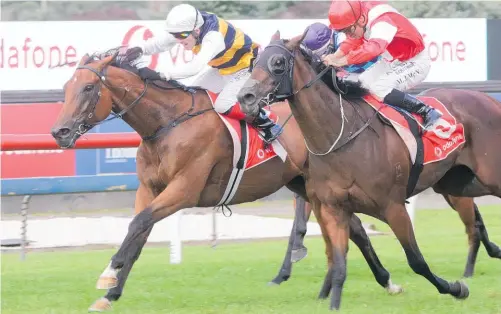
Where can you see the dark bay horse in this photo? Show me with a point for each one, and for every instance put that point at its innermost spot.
(464, 206)
(366, 168)
(185, 158)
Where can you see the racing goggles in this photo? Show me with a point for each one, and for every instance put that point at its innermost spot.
(350, 30)
(181, 35)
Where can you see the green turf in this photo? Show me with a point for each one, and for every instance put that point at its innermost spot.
(232, 278)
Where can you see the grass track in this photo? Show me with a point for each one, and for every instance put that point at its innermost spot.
(232, 278)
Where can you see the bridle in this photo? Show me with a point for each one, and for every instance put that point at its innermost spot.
(285, 81)
(285, 86)
(85, 126)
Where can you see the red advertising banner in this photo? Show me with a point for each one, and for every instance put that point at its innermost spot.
(33, 119)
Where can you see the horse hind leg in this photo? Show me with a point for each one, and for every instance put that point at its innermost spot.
(464, 206)
(476, 230)
(461, 180)
(399, 221)
(492, 249)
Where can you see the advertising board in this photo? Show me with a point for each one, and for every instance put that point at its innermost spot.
(33, 119)
(457, 47)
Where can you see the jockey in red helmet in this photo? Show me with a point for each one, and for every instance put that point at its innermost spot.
(377, 29)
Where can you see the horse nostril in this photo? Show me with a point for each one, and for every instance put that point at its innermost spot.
(249, 98)
(61, 133)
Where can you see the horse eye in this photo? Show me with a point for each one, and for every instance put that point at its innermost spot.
(278, 71)
(89, 87)
(278, 66)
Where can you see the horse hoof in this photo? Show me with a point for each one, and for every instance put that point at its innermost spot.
(105, 283)
(297, 255)
(394, 289)
(273, 284)
(464, 292)
(100, 305)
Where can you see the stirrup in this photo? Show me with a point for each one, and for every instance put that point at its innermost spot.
(268, 134)
(431, 118)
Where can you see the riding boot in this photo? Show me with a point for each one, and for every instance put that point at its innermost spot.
(262, 121)
(411, 104)
(271, 129)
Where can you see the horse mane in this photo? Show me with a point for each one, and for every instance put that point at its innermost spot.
(118, 61)
(328, 78)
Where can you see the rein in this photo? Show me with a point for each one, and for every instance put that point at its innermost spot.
(271, 97)
(84, 127)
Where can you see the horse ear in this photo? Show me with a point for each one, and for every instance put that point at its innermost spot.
(106, 61)
(84, 59)
(275, 36)
(296, 41)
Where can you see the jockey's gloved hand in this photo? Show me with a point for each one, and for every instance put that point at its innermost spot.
(132, 54)
(152, 75)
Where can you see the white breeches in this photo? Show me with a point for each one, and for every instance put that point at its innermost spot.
(384, 76)
(227, 86)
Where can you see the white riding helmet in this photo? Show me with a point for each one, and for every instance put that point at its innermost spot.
(183, 18)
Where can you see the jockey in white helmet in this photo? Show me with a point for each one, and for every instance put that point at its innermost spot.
(217, 43)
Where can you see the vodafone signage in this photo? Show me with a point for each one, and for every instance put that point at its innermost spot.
(28, 50)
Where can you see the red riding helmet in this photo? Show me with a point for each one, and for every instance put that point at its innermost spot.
(344, 13)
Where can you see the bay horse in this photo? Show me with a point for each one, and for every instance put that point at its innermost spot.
(185, 159)
(464, 206)
(366, 169)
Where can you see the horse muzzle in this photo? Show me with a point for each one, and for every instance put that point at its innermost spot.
(65, 137)
(249, 98)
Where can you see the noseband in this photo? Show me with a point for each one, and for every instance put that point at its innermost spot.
(84, 127)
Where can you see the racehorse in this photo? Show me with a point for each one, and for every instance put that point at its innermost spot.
(369, 168)
(189, 155)
(464, 206)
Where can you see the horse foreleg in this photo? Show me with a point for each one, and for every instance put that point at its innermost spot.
(361, 239)
(303, 212)
(399, 221)
(327, 284)
(296, 250)
(337, 225)
(180, 193)
(286, 269)
(144, 197)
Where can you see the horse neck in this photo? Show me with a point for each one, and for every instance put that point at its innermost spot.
(156, 108)
(317, 109)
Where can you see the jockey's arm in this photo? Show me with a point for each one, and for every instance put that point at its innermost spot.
(348, 45)
(212, 44)
(382, 33)
(158, 44)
